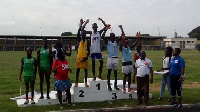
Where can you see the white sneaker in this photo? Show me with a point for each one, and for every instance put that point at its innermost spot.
(32, 102)
(26, 102)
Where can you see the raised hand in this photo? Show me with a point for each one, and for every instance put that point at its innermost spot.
(99, 18)
(108, 26)
(120, 26)
(138, 34)
(87, 21)
(81, 22)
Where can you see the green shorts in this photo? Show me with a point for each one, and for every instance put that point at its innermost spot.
(28, 78)
(44, 69)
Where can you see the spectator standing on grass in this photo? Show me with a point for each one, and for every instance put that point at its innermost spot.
(62, 81)
(29, 70)
(166, 77)
(177, 70)
(82, 54)
(127, 67)
(142, 68)
(44, 60)
(95, 46)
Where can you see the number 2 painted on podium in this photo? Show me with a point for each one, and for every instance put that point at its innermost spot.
(81, 93)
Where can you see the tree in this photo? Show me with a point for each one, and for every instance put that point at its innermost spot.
(66, 34)
(195, 33)
(144, 35)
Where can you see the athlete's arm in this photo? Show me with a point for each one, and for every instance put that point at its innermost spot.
(105, 25)
(38, 59)
(20, 75)
(51, 59)
(79, 30)
(70, 51)
(83, 27)
(35, 68)
(135, 43)
(122, 42)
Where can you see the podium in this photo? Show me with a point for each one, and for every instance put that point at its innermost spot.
(96, 92)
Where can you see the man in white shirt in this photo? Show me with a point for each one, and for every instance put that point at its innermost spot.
(142, 68)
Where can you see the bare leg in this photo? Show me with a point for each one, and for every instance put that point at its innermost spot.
(60, 96)
(115, 75)
(93, 69)
(68, 96)
(47, 77)
(86, 73)
(108, 78)
(100, 68)
(27, 89)
(41, 84)
(77, 76)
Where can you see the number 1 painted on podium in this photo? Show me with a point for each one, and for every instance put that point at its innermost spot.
(98, 86)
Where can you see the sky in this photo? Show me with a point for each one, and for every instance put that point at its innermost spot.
(53, 17)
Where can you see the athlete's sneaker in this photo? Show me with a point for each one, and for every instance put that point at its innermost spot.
(32, 102)
(124, 90)
(159, 98)
(26, 102)
(61, 107)
(174, 104)
(72, 105)
(130, 90)
(179, 106)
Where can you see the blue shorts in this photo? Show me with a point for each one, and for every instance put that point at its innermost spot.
(62, 85)
(96, 55)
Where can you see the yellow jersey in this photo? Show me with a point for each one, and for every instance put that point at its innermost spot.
(82, 49)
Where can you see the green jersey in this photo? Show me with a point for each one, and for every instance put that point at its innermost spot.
(44, 60)
(28, 66)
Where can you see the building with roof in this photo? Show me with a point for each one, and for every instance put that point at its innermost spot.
(20, 42)
(183, 43)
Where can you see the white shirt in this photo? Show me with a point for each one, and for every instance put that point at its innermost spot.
(95, 43)
(166, 63)
(143, 67)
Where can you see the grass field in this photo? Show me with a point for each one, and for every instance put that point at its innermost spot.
(10, 68)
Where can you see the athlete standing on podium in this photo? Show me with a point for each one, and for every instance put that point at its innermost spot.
(83, 53)
(45, 60)
(127, 67)
(95, 48)
(112, 60)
